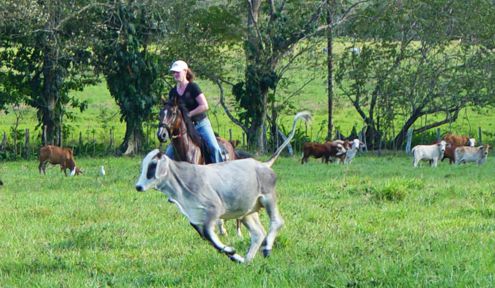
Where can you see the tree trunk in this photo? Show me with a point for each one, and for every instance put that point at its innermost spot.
(50, 112)
(401, 136)
(133, 139)
(254, 72)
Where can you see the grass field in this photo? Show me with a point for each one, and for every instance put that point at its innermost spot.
(376, 222)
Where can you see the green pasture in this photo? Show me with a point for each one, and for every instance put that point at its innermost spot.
(376, 222)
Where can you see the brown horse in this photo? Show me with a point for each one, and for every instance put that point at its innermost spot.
(174, 123)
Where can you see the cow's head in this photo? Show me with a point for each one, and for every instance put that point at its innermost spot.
(153, 167)
(485, 149)
(356, 144)
(471, 142)
(442, 145)
(76, 171)
(340, 149)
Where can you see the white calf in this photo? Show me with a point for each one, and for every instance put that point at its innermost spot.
(429, 152)
(465, 154)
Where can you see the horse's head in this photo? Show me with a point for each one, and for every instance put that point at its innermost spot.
(169, 120)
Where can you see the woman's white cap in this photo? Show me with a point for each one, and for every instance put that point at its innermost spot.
(179, 66)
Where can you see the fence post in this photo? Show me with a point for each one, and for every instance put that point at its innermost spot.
(438, 134)
(230, 134)
(479, 135)
(110, 146)
(3, 146)
(26, 144)
(44, 136)
(80, 145)
(409, 140)
(363, 138)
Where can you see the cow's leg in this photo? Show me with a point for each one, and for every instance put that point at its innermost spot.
(198, 229)
(304, 158)
(276, 222)
(238, 227)
(221, 227)
(211, 236)
(257, 232)
(42, 167)
(434, 162)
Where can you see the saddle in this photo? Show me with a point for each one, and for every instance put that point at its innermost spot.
(207, 153)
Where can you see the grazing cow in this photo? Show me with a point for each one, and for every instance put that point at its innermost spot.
(324, 151)
(351, 147)
(58, 155)
(432, 152)
(471, 154)
(227, 190)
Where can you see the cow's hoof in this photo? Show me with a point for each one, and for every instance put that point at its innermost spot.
(228, 250)
(237, 258)
(267, 252)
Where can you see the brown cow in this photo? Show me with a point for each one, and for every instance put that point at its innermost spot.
(449, 153)
(57, 155)
(458, 140)
(324, 151)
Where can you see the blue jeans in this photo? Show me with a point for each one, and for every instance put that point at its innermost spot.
(204, 129)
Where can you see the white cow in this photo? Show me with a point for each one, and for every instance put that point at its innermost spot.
(465, 154)
(228, 190)
(432, 152)
(352, 148)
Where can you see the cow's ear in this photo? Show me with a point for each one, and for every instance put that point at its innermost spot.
(161, 165)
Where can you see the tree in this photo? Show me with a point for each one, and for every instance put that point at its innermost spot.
(129, 63)
(335, 15)
(44, 57)
(423, 61)
(273, 29)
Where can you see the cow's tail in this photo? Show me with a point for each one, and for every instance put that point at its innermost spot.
(306, 116)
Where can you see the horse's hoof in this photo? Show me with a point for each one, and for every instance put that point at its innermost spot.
(266, 252)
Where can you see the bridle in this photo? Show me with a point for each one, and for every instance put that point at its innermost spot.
(176, 131)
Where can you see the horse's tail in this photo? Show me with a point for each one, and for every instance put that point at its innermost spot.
(306, 116)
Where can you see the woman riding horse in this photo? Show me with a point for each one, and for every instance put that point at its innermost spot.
(187, 93)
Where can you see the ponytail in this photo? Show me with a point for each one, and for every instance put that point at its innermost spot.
(189, 75)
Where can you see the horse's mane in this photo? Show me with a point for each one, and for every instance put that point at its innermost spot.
(191, 130)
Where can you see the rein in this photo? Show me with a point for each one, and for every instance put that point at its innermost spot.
(179, 135)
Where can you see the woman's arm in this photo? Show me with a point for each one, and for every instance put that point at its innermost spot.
(202, 106)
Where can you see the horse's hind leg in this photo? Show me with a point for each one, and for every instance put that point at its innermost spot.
(276, 222)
